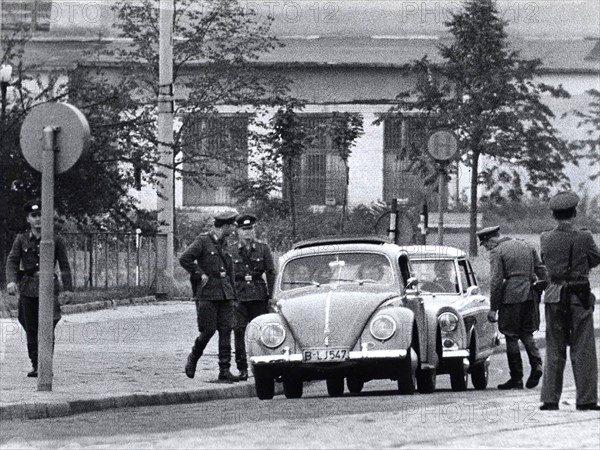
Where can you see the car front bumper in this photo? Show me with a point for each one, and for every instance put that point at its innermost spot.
(361, 355)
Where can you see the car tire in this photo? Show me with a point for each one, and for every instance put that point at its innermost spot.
(459, 377)
(426, 379)
(292, 387)
(355, 385)
(407, 377)
(264, 384)
(335, 387)
(480, 376)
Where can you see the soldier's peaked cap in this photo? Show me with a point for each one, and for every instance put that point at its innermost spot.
(245, 220)
(564, 200)
(487, 233)
(32, 206)
(225, 219)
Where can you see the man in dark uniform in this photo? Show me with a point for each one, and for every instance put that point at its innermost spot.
(569, 253)
(514, 267)
(252, 260)
(22, 274)
(211, 267)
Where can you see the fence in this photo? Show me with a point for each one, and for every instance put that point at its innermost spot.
(109, 260)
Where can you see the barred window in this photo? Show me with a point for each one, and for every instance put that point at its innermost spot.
(400, 137)
(322, 170)
(216, 153)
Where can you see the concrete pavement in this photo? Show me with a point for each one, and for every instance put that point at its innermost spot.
(119, 357)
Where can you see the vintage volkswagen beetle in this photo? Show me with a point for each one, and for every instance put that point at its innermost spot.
(448, 287)
(347, 309)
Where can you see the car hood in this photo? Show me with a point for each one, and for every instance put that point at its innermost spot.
(434, 302)
(330, 316)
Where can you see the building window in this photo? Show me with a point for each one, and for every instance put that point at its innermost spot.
(322, 177)
(28, 14)
(400, 138)
(215, 158)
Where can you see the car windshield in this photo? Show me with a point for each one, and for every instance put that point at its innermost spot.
(317, 270)
(437, 276)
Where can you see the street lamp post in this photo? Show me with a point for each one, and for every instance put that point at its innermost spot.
(5, 77)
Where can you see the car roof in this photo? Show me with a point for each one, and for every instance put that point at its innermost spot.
(318, 247)
(433, 252)
(332, 240)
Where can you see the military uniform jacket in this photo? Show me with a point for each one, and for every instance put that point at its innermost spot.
(208, 255)
(250, 263)
(514, 265)
(556, 246)
(23, 264)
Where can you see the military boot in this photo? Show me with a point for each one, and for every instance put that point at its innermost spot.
(515, 366)
(225, 376)
(243, 376)
(190, 365)
(33, 373)
(535, 361)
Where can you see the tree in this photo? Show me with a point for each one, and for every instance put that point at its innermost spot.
(288, 140)
(487, 95)
(344, 129)
(216, 42)
(589, 148)
(89, 192)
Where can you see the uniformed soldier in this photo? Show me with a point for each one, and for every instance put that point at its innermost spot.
(22, 274)
(210, 266)
(253, 263)
(514, 267)
(569, 253)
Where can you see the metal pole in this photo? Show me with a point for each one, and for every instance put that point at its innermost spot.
(441, 204)
(393, 221)
(166, 212)
(46, 291)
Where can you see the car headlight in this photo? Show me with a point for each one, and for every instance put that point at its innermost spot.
(448, 322)
(383, 327)
(272, 335)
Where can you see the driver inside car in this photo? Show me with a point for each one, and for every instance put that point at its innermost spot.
(444, 276)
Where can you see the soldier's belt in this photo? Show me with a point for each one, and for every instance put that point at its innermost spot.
(559, 280)
(218, 275)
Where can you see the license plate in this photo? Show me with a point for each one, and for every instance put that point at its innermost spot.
(325, 354)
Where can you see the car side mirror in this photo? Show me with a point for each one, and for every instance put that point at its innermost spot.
(412, 283)
(472, 290)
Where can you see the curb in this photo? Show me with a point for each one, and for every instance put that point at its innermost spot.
(99, 305)
(67, 408)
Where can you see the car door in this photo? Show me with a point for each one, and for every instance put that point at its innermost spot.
(414, 301)
(475, 310)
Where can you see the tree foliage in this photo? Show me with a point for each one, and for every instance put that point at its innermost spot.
(215, 44)
(344, 129)
(589, 147)
(488, 95)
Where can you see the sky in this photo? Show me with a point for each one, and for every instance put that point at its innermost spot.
(563, 19)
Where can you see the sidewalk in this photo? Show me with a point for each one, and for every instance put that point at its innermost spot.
(126, 356)
(121, 357)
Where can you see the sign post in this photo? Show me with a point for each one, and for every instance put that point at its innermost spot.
(442, 145)
(53, 138)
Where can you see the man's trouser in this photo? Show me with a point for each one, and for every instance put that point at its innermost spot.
(569, 323)
(29, 310)
(217, 315)
(519, 321)
(244, 313)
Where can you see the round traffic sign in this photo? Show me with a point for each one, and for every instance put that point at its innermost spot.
(72, 138)
(442, 145)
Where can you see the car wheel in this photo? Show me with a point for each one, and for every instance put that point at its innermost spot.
(480, 375)
(292, 387)
(264, 383)
(355, 385)
(335, 387)
(407, 375)
(459, 376)
(426, 380)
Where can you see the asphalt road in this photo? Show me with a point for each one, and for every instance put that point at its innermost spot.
(378, 417)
